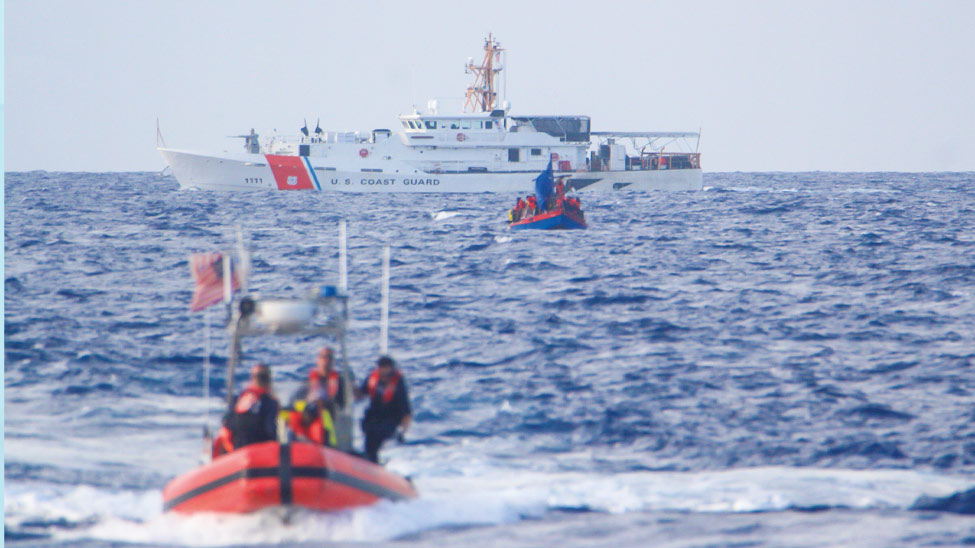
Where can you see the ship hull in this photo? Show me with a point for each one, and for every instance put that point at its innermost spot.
(235, 172)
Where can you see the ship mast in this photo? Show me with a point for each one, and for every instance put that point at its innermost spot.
(482, 96)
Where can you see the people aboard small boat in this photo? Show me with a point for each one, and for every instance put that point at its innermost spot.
(253, 415)
(556, 200)
(518, 212)
(313, 406)
(573, 203)
(389, 413)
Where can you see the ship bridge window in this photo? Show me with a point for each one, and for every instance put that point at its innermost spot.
(414, 125)
(465, 124)
(405, 124)
(431, 124)
(454, 124)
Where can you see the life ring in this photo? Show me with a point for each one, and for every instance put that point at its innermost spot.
(363, 153)
(461, 137)
(555, 156)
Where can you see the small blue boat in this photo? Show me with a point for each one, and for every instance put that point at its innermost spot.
(566, 213)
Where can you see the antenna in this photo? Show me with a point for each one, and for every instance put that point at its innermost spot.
(504, 65)
(482, 96)
(413, 86)
(384, 318)
(343, 258)
(345, 435)
(244, 260)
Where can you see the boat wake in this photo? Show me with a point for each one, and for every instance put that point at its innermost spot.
(467, 498)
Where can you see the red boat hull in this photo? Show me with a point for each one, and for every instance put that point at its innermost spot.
(270, 474)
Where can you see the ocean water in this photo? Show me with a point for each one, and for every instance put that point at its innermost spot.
(781, 359)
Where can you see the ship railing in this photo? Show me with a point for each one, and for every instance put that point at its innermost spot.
(288, 144)
(665, 160)
(650, 161)
(644, 151)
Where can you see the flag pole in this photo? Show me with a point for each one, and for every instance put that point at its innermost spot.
(227, 283)
(206, 365)
(207, 438)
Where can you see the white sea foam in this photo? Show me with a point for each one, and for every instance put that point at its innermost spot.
(478, 493)
(443, 215)
(771, 190)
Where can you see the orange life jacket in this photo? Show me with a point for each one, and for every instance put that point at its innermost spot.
(390, 385)
(315, 383)
(314, 431)
(248, 398)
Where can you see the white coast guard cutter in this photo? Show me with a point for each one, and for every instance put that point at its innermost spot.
(483, 149)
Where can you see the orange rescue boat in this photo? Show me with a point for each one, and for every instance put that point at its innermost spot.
(271, 474)
(288, 472)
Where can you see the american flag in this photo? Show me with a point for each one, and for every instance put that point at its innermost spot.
(207, 269)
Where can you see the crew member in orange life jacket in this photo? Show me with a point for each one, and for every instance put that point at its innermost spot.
(389, 413)
(559, 188)
(253, 416)
(324, 391)
(519, 209)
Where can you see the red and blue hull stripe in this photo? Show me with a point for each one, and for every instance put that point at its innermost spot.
(293, 172)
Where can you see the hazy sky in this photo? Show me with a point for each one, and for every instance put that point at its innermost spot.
(820, 85)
